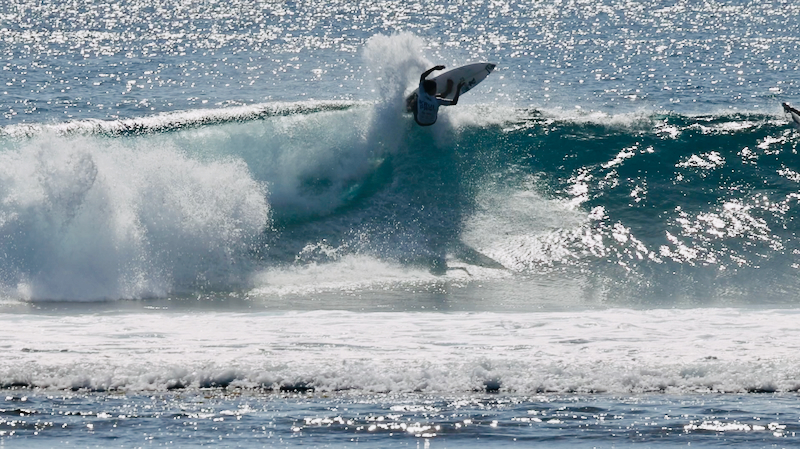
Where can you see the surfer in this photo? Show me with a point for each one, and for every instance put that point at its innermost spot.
(424, 103)
(787, 108)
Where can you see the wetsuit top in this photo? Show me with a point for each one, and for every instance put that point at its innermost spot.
(427, 107)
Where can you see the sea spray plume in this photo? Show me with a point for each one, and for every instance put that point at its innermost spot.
(394, 63)
(93, 218)
(64, 179)
(318, 163)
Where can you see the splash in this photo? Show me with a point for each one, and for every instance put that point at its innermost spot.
(394, 64)
(91, 218)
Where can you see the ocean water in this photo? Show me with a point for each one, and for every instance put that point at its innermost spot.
(219, 227)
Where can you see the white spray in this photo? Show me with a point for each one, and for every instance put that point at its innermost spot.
(96, 218)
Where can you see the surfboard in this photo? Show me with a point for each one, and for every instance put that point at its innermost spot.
(470, 74)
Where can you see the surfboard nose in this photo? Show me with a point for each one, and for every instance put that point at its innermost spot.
(490, 67)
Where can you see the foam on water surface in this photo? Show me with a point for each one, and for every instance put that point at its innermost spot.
(614, 351)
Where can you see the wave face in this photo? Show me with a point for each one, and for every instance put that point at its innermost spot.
(641, 207)
(677, 207)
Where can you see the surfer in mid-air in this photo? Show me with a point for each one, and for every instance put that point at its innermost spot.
(794, 113)
(424, 103)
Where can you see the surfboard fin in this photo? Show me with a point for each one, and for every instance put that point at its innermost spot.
(469, 255)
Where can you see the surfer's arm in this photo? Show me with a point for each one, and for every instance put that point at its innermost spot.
(458, 94)
(787, 108)
(454, 101)
(429, 71)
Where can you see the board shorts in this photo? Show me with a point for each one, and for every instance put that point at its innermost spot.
(411, 106)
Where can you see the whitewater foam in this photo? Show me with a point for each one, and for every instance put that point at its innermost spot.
(91, 218)
(616, 351)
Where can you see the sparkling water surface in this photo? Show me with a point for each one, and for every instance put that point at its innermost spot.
(247, 418)
(65, 60)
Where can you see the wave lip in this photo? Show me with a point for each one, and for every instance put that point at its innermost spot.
(173, 121)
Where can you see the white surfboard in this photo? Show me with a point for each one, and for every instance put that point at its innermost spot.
(470, 74)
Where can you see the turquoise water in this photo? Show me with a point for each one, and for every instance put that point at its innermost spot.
(218, 225)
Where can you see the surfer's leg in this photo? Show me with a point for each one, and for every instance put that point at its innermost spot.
(411, 103)
(411, 106)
